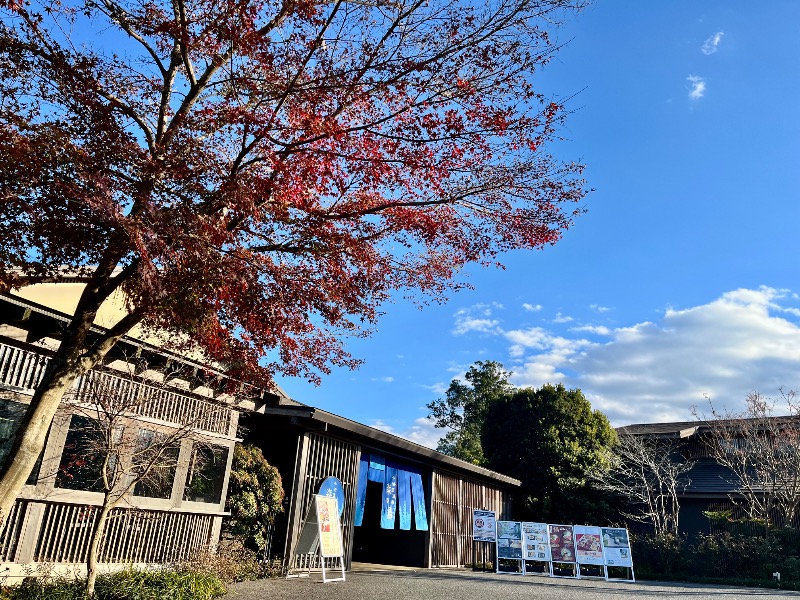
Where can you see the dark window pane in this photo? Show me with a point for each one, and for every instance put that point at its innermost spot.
(82, 459)
(206, 474)
(151, 448)
(11, 414)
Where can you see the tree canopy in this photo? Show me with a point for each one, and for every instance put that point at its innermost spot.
(464, 407)
(262, 175)
(552, 440)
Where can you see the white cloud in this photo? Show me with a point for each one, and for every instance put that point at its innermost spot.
(698, 88)
(388, 379)
(746, 339)
(600, 309)
(658, 371)
(532, 307)
(562, 318)
(476, 318)
(422, 432)
(711, 44)
(439, 388)
(596, 329)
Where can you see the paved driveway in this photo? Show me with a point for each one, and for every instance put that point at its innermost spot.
(466, 585)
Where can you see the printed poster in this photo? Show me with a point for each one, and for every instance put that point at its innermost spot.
(617, 547)
(484, 526)
(588, 545)
(536, 540)
(330, 533)
(509, 540)
(562, 543)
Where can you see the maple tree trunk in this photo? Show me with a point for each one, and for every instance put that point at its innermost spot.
(32, 436)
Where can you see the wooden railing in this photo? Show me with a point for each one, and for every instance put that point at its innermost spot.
(22, 370)
(131, 536)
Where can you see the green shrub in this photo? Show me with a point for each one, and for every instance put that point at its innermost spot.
(720, 557)
(124, 585)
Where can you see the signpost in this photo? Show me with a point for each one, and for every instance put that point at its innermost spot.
(617, 551)
(562, 548)
(484, 533)
(589, 549)
(330, 533)
(509, 545)
(536, 545)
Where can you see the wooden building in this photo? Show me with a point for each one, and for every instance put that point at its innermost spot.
(434, 529)
(53, 515)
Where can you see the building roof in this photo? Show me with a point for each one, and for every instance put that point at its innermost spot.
(360, 430)
(684, 429)
(678, 429)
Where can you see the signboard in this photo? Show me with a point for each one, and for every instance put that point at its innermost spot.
(330, 533)
(484, 526)
(562, 543)
(509, 540)
(617, 547)
(588, 545)
(536, 544)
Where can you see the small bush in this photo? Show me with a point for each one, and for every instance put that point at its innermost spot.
(124, 585)
(231, 562)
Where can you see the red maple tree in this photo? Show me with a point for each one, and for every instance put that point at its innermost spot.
(262, 174)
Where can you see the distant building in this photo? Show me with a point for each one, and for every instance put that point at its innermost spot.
(708, 486)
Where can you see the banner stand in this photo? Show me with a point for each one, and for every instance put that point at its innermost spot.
(562, 550)
(509, 546)
(589, 551)
(330, 535)
(617, 552)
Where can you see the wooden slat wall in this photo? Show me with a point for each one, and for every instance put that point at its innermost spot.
(9, 536)
(452, 502)
(327, 457)
(131, 536)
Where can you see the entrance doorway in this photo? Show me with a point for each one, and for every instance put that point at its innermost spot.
(372, 544)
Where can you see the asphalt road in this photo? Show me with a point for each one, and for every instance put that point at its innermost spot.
(466, 585)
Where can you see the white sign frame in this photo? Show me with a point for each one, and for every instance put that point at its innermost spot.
(509, 539)
(536, 539)
(581, 532)
(554, 559)
(611, 556)
(330, 534)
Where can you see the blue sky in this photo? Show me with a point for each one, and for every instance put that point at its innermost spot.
(680, 281)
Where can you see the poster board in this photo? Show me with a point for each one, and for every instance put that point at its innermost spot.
(484, 526)
(562, 547)
(535, 543)
(589, 549)
(617, 549)
(330, 533)
(509, 544)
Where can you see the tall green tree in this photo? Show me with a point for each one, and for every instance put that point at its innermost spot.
(552, 440)
(464, 407)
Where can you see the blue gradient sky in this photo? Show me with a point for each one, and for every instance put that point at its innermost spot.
(681, 280)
